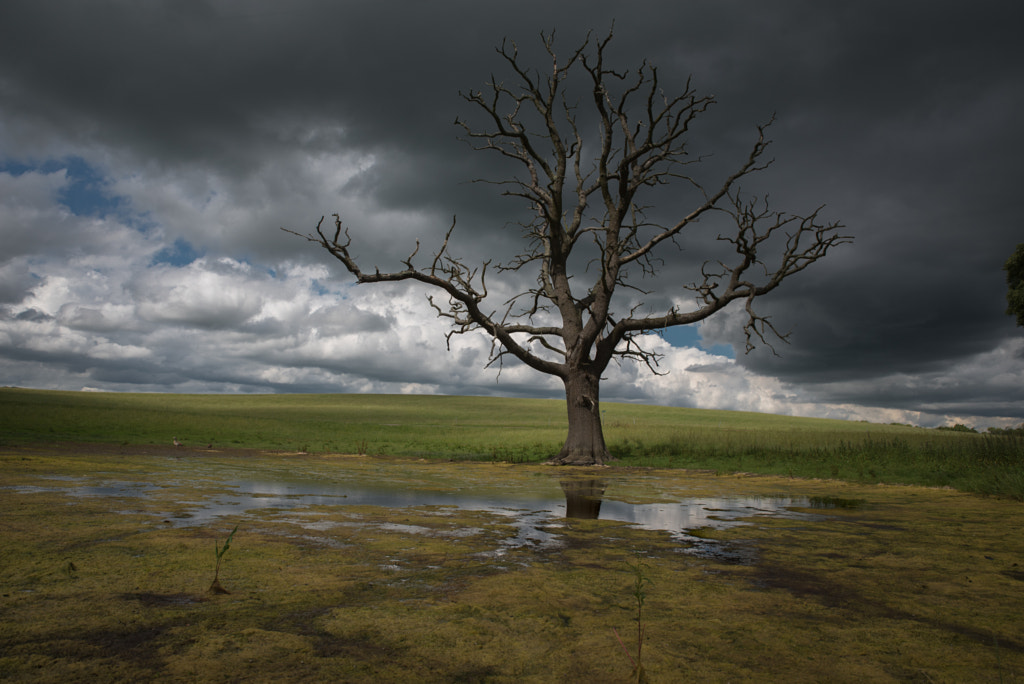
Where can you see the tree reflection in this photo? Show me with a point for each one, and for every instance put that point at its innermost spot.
(583, 498)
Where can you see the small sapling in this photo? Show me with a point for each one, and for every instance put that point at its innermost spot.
(640, 582)
(216, 587)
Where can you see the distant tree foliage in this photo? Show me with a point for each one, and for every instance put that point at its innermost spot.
(959, 427)
(1008, 432)
(1014, 268)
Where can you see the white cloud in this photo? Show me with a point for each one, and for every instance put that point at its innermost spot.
(695, 378)
(239, 213)
(35, 223)
(106, 318)
(204, 294)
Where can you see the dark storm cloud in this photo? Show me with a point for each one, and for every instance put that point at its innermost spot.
(900, 117)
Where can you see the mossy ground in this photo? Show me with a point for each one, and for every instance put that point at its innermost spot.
(909, 583)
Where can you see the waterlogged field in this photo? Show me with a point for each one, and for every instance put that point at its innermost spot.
(767, 548)
(522, 430)
(108, 554)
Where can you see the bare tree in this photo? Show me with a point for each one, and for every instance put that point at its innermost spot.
(587, 199)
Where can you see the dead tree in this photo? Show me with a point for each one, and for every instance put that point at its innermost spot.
(587, 196)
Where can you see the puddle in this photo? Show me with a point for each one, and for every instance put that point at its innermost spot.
(532, 505)
(536, 521)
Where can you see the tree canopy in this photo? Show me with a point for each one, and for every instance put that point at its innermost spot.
(592, 144)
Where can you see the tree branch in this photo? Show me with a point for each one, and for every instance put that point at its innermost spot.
(641, 142)
(445, 273)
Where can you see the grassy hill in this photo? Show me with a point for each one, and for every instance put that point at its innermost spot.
(487, 428)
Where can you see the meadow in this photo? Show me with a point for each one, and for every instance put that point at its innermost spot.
(522, 431)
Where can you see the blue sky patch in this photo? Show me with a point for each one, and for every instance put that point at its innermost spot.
(87, 192)
(689, 336)
(181, 253)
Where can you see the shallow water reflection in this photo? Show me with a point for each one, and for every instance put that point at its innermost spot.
(583, 498)
(534, 508)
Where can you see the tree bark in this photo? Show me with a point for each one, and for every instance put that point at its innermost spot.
(585, 442)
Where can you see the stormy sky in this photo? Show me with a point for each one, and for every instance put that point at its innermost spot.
(150, 150)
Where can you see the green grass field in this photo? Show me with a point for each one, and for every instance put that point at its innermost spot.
(522, 430)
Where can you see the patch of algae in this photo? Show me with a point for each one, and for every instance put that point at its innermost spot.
(915, 584)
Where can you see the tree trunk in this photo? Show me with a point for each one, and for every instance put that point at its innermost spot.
(585, 442)
(583, 498)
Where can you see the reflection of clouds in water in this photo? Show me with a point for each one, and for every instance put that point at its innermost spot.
(536, 521)
(333, 494)
(687, 515)
(531, 529)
